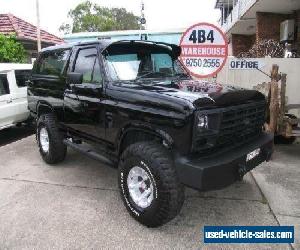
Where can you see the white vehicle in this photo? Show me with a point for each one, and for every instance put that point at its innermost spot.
(13, 94)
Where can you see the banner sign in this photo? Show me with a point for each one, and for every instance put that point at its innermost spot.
(204, 50)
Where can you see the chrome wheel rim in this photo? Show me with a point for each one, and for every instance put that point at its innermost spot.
(44, 140)
(140, 187)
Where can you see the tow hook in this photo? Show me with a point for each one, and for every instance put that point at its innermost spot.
(242, 170)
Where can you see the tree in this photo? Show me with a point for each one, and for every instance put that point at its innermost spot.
(11, 51)
(88, 16)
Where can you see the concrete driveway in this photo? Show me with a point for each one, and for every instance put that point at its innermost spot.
(76, 205)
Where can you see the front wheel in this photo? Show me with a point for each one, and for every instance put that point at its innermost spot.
(50, 140)
(149, 184)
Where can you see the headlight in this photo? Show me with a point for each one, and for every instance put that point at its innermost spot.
(202, 122)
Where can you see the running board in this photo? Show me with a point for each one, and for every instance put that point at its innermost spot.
(89, 152)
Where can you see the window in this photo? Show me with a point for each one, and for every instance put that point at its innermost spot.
(162, 63)
(21, 77)
(97, 76)
(53, 62)
(87, 63)
(124, 66)
(133, 63)
(4, 89)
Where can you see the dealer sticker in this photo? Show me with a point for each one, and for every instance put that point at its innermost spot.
(204, 50)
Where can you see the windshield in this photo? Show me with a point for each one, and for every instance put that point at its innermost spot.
(133, 63)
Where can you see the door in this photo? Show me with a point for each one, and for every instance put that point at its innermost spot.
(83, 107)
(47, 83)
(18, 91)
(7, 109)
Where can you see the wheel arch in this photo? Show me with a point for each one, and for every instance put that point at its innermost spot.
(133, 134)
(43, 108)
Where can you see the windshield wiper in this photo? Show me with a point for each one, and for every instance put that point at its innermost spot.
(144, 75)
(181, 75)
(163, 74)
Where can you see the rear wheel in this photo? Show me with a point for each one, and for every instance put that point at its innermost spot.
(50, 140)
(149, 184)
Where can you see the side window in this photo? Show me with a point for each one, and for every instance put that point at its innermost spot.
(97, 75)
(21, 77)
(53, 62)
(4, 88)
(87, 63)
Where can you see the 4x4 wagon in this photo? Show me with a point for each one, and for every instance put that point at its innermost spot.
(132, 105)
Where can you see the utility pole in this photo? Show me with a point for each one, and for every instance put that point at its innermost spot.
(38, 29)
(143, 22)
(142, 19)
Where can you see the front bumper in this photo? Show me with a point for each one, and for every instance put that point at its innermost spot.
(220, 170)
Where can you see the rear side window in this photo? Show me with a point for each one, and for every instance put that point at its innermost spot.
(53, 62)
(4, 88)
(22, 76)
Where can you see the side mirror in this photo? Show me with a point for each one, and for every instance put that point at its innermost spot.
(74, 78)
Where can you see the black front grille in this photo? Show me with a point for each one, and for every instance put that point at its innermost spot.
(237, 125)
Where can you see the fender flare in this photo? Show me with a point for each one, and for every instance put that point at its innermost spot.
(164, 136)
(43, 105)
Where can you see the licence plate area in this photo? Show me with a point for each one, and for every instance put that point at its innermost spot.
(253, 154)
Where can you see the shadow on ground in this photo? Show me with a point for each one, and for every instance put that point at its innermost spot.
(13, 134)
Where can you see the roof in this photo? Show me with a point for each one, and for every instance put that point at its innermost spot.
(105, 43)
(24, 30)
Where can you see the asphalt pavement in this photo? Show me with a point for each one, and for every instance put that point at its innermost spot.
(76, 204)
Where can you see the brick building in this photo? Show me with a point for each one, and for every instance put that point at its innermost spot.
(247, 22)
(26, 34)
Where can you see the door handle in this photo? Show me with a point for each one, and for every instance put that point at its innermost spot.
(9, 101)
(108, 119)
(68, 91)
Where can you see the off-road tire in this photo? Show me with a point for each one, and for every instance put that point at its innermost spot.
(168, 191)
(57, 149)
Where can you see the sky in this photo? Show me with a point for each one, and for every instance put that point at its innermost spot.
(160, 14)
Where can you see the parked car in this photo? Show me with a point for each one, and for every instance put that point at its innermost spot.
(132, 105)
(13, 94)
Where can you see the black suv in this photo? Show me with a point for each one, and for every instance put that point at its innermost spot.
(132, 105)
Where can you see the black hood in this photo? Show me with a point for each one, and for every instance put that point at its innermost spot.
(183, 94)
(220, 94)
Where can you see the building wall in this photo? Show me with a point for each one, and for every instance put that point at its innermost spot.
(297, 18)
(268, 25)
(167, 37)
(249, 78)
(241, 43)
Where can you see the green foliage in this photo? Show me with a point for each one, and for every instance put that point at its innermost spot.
(11, 51)
(88, 16)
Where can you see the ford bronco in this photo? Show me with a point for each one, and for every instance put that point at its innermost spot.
(132, 105)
